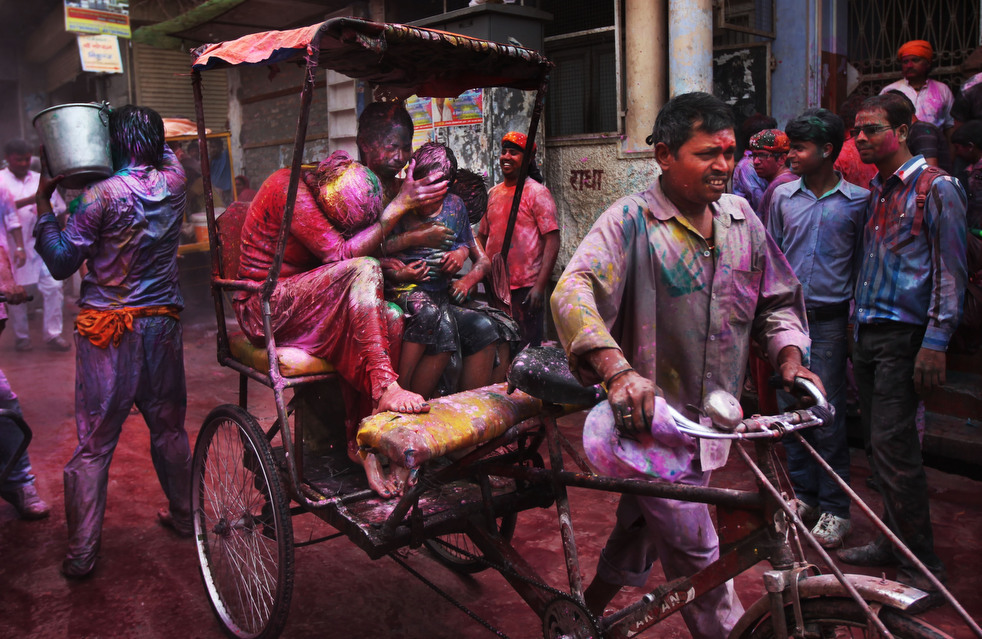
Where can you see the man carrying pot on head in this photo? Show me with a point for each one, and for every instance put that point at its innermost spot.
(660, 301)
(128, 337)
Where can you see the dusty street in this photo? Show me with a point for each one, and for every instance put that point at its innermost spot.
(147, 583)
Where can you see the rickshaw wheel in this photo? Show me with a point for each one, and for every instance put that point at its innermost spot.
(565, 618)
(242, 525)
(464, 563)
(837, 617)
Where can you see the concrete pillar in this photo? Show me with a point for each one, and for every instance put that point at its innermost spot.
(690, 35)
(645, 41)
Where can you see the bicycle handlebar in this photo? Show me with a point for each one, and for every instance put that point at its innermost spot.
(3, 299)
(765, 426)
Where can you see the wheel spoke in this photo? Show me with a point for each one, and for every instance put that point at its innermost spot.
(238, 499)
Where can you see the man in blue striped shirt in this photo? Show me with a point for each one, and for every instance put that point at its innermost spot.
(817, 221)
(909, 292)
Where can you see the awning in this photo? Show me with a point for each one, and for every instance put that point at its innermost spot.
(407, 60)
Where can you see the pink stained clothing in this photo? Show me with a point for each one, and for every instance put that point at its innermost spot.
(644, 281)
(852, 168)
(536, 218)
(932, 102)
(326, 303)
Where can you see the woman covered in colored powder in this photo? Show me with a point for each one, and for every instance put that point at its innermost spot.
(420, 280)
(328, 300)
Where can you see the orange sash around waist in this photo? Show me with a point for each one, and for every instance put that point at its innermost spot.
(102, 326)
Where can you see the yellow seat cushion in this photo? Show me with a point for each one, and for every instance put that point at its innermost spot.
(294, 362)
(454, 422)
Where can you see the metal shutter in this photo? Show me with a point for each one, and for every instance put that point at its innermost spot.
(163, 83)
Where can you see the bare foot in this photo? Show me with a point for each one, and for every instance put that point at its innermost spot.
(387, 484)
(398, 399)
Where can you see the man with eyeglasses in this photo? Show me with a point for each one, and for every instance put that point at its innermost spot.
(932, 99)
(909, 291)
(769, 151)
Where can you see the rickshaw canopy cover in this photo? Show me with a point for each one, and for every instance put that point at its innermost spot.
(406, 60)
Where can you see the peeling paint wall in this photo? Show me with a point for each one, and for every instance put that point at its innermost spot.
(585, 179)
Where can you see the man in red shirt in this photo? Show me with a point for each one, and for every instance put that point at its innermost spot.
(534, 243)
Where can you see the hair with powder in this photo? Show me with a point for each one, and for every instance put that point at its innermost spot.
(820, 126)
(471, 188)
(348, 193)
(687, 113)
(897, 108)
(434, 156)
(136, 137)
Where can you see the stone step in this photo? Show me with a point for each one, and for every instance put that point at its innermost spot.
(955, 438)
(961, 396)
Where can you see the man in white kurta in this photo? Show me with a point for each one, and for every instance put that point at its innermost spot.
(22, 183)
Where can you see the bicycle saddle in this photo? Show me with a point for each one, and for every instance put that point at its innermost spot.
(543, 373)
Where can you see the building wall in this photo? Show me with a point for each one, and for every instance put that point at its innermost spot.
(585, 179)
(269, 106)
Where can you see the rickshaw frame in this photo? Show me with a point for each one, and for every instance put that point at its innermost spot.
(751, 522)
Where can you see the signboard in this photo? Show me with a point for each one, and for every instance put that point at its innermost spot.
(110, 17)
(100, 54)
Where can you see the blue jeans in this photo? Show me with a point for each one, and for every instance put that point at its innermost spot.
(10, 439)
(811, 483)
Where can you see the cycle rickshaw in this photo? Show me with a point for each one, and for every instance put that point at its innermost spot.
(245, 478)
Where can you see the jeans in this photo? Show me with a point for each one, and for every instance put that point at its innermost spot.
(884, 364)
(811, 483)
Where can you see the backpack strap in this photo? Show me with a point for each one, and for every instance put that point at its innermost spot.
(923, 187)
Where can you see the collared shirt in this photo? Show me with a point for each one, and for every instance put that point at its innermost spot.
(128, 228)
(536, 218)
(746, 183)
(820, 236)
(910, 274)
(932, 102)
(25, 218)
(683, 313)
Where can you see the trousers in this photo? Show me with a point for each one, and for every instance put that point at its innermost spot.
(883, 361)
(52, 295)
(680, 534)
(146, 369)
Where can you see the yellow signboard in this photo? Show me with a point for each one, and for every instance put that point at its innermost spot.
(110, 17)
(100, 54)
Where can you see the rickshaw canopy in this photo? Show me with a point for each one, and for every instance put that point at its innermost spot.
(406, 60)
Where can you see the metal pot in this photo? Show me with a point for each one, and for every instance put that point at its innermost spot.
(76, 142)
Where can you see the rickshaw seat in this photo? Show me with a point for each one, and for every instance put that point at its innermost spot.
(454, 422)
(294, 362)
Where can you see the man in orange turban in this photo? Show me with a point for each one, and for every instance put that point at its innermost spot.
(932, 99)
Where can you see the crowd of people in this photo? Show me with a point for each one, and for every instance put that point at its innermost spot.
(831, 219)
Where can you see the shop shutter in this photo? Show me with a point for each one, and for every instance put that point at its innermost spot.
(163, 83)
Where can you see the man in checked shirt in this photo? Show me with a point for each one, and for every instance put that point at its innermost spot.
(909, 294)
